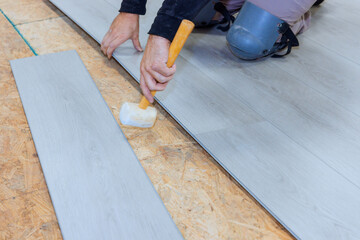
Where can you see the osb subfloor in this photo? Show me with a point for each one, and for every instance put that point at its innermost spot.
(203, 200)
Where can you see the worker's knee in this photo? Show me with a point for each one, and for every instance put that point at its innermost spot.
(254, 33)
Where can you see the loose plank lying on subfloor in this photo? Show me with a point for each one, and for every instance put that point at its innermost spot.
(97, 185)
(286, 141)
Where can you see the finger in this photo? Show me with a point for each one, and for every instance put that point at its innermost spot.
(145, 90)
(162, 86)
(105, 42)
(149, 81)
(160, 78)
(164, 70)
(113, 45)
(152, 84)
(105, 37)
(137, 44)
(103, 48)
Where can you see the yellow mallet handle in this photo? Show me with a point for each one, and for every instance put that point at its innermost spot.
(180, 38)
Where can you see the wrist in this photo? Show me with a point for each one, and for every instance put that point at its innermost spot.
(132, 16)
(158, 39)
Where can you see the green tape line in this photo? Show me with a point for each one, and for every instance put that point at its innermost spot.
(17, 30)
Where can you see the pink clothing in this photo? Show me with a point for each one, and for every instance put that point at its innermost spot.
(295, 12)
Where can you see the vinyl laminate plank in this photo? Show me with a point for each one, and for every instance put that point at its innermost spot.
(300, 191)
(255, 119)
(335, 26)
(252, 150)
(345, 10)
(322, 126)
(325, 71)
(317, 67)
(97, 185)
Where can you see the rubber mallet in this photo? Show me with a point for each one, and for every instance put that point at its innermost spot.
(142, 115)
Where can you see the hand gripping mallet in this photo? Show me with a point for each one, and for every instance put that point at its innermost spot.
(141, 115)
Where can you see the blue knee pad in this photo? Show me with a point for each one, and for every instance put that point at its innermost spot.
(255, 31)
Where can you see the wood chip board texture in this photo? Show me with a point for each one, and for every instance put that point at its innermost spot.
(288, 130)
(98, 187)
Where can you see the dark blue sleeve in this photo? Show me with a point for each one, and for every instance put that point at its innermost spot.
(172, 13)
(133, 6)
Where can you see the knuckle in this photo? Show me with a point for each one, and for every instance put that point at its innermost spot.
(154, 65)
(166, 79)
(112, 45)
(161, 79)
(152, 87)
(147, 68)
(150, 84)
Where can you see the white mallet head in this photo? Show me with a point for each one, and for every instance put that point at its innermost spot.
(131, 114)
(134, 115)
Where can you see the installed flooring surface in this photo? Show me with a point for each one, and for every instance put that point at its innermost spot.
(97, 185)
(287, 129)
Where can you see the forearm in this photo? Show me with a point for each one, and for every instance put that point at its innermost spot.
(172, 13)
(133, 6)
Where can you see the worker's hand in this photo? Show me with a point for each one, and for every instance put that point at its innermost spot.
(124, 27)
(155, 75)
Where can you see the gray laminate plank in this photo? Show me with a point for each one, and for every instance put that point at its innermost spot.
(311, 119)
(325, 71)
(252, 150)
(289, 143)
(345, 10)
(335, 26)
(300, 191)
(97, 185)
